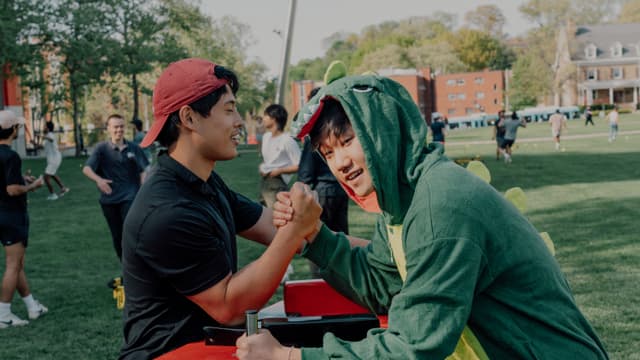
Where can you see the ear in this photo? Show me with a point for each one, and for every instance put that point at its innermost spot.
(187, 114)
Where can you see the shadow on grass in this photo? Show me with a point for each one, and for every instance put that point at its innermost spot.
(534, 171)
(600, 256)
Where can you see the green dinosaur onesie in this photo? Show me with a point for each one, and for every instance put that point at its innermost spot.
(449, 253)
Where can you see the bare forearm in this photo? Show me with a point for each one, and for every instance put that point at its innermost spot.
(251, 287)
(88, 172)
(17, 190)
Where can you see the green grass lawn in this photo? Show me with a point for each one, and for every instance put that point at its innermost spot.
(586, 197)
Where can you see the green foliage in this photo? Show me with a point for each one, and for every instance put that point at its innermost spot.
(21, 35)
(479, 50)
(488, 19)
(529, 82)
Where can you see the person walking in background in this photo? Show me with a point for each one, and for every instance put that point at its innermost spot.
(280, 154)
(54, 159)
(438, 130)
(313, 171)
(138, 135)
(511, 127)
(613, 123)
(558, 122)
(118, 168)
(588, 116)
(498, 133)
(14, 225)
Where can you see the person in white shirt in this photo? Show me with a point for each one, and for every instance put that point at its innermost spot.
(613, 123)
(54, 159)
(280, 155)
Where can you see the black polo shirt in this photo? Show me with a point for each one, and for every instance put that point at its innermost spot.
(11, 174)
(122, 166)
(179, 240)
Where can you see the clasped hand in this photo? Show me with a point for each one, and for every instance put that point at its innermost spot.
(298, 205)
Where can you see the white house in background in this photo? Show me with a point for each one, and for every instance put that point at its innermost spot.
(607, 65)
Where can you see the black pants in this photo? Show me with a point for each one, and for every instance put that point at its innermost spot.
(335, 214)
(115, 214)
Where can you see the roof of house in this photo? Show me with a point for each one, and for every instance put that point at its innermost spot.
(605, 37)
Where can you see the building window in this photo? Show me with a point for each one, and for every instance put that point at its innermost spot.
(452, 96)
(479, 95)
(590, 51)
(479, 80)
(470, 110)
(495, 86)
(451, 82)
(616, 73)
(451, 111)
(616, 50)
(462, 96)
(460, 82)
(592, 74)
(495, 101)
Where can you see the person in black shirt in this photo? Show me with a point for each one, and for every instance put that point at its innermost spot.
(438, 130)
(118, 168)
(498, 133)
(14, 224)
(179, 244)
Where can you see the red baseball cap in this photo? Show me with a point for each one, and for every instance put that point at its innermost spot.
(181, 83)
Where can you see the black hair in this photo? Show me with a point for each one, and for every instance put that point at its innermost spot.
(332, 121)
(6, 133)
(49, 125)
(278, 113)
(171, 128)
(514, 116)
(138, 124)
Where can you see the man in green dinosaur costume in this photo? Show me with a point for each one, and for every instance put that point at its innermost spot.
(460, 272)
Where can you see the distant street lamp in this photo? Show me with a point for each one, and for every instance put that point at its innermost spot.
(284, 64)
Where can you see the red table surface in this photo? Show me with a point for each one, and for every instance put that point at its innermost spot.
(198, 350)
(302, 297)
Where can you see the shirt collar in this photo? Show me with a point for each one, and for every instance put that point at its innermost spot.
(114, 147)
(186, 175)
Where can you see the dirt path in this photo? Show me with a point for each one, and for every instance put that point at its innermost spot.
(543, 139)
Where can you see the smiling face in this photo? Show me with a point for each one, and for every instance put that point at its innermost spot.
(115, 127)
(346, 159)
(218, 135)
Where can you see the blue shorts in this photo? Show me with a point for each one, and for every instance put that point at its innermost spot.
(14, 228)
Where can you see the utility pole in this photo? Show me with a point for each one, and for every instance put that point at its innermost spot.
(284, 64)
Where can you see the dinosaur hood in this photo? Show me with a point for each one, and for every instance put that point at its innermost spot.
(391, 130)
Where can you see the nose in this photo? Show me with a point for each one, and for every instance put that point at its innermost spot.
(343, 161)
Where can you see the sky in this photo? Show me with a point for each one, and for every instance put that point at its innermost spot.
(317, 20)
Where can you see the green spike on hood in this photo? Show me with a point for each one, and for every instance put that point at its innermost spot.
(390, 128)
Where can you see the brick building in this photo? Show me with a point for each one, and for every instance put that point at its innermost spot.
(598, 64)
(464, 94)
(456, 96)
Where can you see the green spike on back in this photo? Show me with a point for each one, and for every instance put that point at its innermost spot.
(547, 240)
(336, 70)
(517, 197)
(479, 169)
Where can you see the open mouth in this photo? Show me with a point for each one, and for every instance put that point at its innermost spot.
(354, 175)
(236, 138)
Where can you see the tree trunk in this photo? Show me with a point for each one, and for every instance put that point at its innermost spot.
(77, 134)
(134, 86)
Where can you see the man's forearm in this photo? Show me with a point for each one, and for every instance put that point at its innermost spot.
(88, 172)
